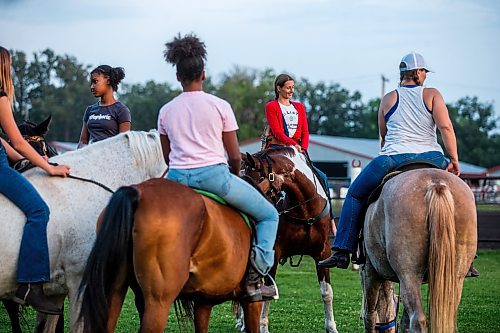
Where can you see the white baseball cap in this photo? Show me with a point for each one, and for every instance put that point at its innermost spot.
(412, 61)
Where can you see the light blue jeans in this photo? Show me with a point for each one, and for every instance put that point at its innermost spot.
(238, 193)
(370, 177)
(33, 264)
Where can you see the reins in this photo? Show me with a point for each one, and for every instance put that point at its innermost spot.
(87, 180)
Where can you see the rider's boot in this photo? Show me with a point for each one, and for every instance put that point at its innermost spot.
(32, 294)
(339, 258)
(255, 289)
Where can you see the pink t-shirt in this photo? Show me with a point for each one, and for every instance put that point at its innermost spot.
(194, 122)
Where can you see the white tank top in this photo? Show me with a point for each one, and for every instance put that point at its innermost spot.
(410, 126)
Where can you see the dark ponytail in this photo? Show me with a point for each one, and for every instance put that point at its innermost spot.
(280, 82)
(115, 75)
(188, 54)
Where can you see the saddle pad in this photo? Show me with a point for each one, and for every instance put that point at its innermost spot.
(215, 197)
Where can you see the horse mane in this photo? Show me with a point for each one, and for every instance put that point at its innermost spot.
(142, 149)
(283, 150)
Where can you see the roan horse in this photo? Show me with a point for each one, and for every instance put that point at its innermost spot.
(75, 206)
(422, 228)
(304, 214)
(179, 245)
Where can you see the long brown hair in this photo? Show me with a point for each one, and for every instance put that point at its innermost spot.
(408, 75)
(280, 82)
(6, 84)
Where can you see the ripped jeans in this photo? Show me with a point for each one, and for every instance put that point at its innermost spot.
(238, 193)
(370, 177)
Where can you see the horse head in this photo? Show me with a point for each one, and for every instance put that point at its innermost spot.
(34, 134)
(287, 179)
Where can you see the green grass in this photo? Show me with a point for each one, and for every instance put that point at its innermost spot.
(300, 307)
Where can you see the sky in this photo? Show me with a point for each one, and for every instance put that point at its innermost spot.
(351, 43)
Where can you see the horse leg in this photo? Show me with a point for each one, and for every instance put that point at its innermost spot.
(202, 311)
(387, 305)
(371, 286)
(13, 312)
(405, 322)
(412, 301)
(264, 317)
(252, 313)
(326, 291)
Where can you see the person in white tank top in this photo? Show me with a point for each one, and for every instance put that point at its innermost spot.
(408, 118)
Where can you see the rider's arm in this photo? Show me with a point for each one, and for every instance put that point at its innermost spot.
(165, 147)
(230, 140)
(124, 127)
(22, 146)
(12, 154)
(275, 121)
(84, 136)
(445, 126)
(385, 105)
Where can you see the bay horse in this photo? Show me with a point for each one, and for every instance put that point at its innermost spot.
(75, 205)
(178, 244)
(422, 228)
(286, 177)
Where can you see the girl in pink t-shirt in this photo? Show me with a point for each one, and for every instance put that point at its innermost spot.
(196, 128)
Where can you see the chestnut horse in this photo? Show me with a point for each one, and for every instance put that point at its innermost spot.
(286, 177)
(178, 244)
(423, 227)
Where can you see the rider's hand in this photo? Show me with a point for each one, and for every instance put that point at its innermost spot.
(454, 167)
(59, 170)
(299, 148)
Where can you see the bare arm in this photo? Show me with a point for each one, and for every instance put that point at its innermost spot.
(165, 147)
(445, 126)
(12, 154)
(124, 127)
(21, 145)
(84, 136)
(386, 104)
(230, 141)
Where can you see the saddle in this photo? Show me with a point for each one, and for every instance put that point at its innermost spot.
(248, 221)
(360, 257)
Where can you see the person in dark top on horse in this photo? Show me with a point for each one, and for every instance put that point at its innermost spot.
(107, 117)
(33, 265)
(195, 129)
(408, 117)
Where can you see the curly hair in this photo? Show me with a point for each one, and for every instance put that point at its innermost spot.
(188, 54)
(115, 75)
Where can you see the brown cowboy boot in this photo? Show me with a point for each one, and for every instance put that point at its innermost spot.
(255, 289)
(32, 294)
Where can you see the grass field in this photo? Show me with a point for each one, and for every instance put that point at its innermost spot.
(300, 308)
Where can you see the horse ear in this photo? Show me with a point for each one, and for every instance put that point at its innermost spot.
(250, 160)
(43, 127)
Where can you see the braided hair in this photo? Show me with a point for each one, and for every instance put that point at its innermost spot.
(114, 75)
(188, 54)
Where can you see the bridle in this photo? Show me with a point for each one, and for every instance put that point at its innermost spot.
(274, 190)
(43, 150)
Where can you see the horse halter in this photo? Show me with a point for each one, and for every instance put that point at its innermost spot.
(41, 147)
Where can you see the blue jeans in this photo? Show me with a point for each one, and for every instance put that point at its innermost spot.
(238, 193)
(370, 177)
(33, 264)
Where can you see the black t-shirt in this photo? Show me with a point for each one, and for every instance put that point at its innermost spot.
(103, 121)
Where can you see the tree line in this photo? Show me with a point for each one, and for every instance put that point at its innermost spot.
(59, 85)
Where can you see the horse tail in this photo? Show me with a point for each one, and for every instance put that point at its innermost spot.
(108, 259)
(443, 278)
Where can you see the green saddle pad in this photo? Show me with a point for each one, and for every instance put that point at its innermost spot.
(224, 202)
